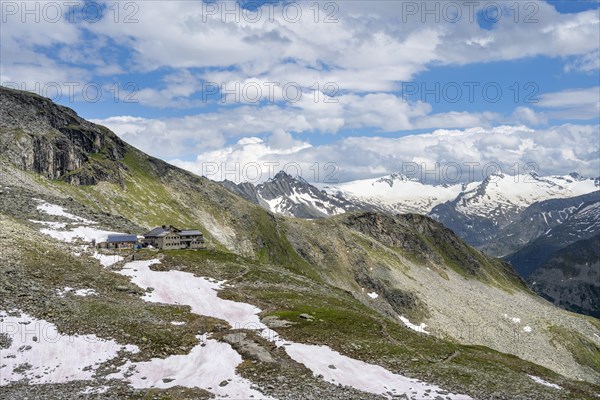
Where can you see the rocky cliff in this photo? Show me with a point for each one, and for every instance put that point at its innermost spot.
(40, 136)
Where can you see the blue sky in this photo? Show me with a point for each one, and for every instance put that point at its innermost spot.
(394, 70)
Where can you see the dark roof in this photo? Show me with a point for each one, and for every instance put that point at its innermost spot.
(156, 231)
(161, 230)
(121, 238)
(190, 233)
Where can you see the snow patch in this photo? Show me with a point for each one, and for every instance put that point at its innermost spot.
(543, 382)
(373, 295)
(197, 369)
(107, 259)
(62, 293)
(177, 287)
(53, 209)
(46, 356)
(95, 390)
(206, 366)
(339, 369)
(419, 328)
(85, 292)
(84, 233)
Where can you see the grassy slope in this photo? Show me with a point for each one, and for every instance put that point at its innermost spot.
(348, 326)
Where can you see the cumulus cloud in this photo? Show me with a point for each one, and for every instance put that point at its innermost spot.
(476, 151)
(365, 47)
(187, 136)
(367, 51)
(251, 159)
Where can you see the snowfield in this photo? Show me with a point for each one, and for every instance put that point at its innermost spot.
(206, 366)
(397, 193)
(107, 259)
(339, 369)
(177, 287)
(201, 294)
(84, 233)
(53, 209)
(80, 230)
(52, 357)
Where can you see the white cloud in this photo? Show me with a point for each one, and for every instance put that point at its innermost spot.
(372, 46)
(250, 159)
(573, 103)
(571, 98)
(193, 134)
(587, 63)
(556, 150)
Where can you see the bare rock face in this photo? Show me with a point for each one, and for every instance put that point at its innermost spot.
(39, 136)
(571, 277)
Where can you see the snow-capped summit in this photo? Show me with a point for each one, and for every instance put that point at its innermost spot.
(395, 177)
(396, 193)
(501, 193)
(498, 198)
(483, 208)
(295, 197)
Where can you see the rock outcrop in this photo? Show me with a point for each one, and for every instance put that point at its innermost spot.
(39, 136)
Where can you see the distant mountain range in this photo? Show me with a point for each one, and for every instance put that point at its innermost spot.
(524, 219)
(477, 211)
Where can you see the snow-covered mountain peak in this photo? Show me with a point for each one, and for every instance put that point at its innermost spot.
(395, 177)
(283, 176)
(503, 192)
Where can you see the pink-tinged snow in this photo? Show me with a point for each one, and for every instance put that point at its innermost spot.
(419, 328)
(177, 287)
(339, 369)
(107, 259)
(54, 358)
(545, 383)
(206, 366)
(53, 209)
(84, 233)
